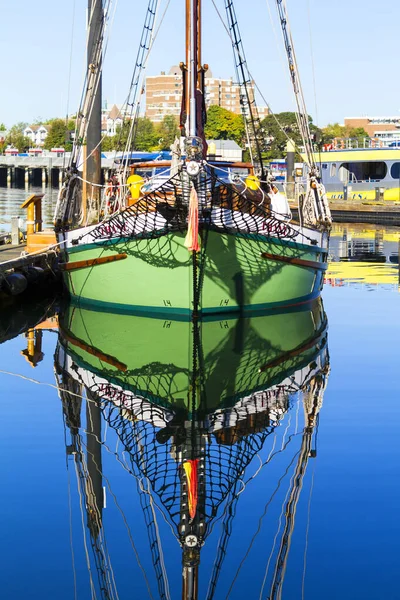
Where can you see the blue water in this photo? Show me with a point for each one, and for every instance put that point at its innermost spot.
(344, 543)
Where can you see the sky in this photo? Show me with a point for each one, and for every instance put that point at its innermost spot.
(351, 47)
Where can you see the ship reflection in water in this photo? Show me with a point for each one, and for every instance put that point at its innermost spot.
(199, 411)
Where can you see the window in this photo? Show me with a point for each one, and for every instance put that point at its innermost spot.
(362, 171)
(333, 170)
(395, 170)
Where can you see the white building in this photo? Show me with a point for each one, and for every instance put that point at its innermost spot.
(112, 118)
(36, 133)
(226, 150)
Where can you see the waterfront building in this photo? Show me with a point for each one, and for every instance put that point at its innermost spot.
(164, 93)
(112, 118)
(227, 150)
(387, 129)
(36, 133)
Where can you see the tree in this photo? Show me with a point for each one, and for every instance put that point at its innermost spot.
(358, 132)
(222, 124)
(17, 139)
(108, 143)
(146, 137)
(167, 131)
(20, 126)
(334, 130)
(279, 127)
(58, 135)
(3, 144)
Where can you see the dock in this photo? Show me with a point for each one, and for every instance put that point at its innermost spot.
(30, 267)
(9, 252)
(22, 273)
(361, 212)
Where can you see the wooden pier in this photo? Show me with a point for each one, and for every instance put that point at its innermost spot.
(361, 212)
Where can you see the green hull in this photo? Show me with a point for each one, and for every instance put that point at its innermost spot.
(153, 359)
(157, 276)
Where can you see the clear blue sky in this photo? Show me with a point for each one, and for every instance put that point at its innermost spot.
(355, 43)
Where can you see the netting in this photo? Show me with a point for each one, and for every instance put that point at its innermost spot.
(157, 452)
(159, 435)
(224, 206)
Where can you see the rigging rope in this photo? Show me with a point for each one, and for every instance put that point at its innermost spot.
(275, 491)
(145, 45)
(302, 115)
(92, 77)
(270, 111)
(69, 71)
(248, 104)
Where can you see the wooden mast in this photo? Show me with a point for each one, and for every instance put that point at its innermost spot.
(186, 91)
(91, 192)
(193, 61)
(193, 52)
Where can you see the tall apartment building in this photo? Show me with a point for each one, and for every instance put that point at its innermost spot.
(164, 93)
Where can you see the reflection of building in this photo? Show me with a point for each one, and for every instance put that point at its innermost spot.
(352, 248)
(164, 94)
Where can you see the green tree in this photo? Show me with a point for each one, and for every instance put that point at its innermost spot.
(358, 132)
(146, 137)
(20, 126)
(167, 131)
(281, 126)
(222, 124)
(334, 130)
(108, 143)
(58, 135)
(331, 131)
(17, 139)
(3, 145)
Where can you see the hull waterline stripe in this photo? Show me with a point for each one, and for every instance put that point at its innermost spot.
(183, 314)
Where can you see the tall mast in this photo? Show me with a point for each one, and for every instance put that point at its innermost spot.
(92, 155)
(193, 62)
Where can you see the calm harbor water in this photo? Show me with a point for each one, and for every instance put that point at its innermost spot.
(12, 198)
(294, 419)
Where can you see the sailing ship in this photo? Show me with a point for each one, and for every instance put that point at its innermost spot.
(192, 236)
(192, 404)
